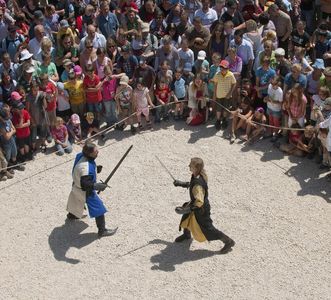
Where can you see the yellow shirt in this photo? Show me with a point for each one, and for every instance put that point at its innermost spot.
(75, 91)
(223, 83)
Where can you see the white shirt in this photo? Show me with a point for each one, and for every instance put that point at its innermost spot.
(99, 41)
(275, 95)
(327, 124)
(207, 18)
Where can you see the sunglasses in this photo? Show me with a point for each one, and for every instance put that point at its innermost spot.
(89, 47)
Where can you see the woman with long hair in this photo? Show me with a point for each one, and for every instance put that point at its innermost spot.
(197, 101)
(196, 213)
(218, 43)
(102, 61)
(89, 55)
(172, 31)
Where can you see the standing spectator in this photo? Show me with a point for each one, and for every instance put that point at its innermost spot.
(207, 15)
(283, 26)
(76, 92)
(101, 62)
(98, 39)
(198, 36)
(48, 67)
(11, 43)
(296, 106)
(63, 106)
(166, 52)
(21, 121)
(34, 44)
(127, 62)
(224, 85)
(7, 86)
(233, 14)
(218, 42)
(92, 86)
(89, 55)
(107, 21)
(245, 51)
(294, 77)
(8, 66)
(283, 66)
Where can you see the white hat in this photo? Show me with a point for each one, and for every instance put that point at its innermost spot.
(202, 55)
(144, 27)
(280, 52)
(124, 80)
(29, 69)
(25, 55)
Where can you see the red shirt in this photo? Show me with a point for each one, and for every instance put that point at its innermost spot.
(21, 133)
(163, 94)
(92, 96)
(50, 91)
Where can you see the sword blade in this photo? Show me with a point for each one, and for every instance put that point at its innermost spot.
(164, 167)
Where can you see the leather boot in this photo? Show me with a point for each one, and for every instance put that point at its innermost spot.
(185, 236)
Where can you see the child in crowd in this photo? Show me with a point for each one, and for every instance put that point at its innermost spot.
(294, 145)
(178, 91)
(240, 117)
(92, 86)
(123, 100)
(299, 58)
(74, 129)
(162, 95)
(141, 100)
(90, 126)
(61, 137)
(274, 106)
(63, 106)
(21, 121)
(255, 126)
(318, 103)
(108, 95)
(214, 68)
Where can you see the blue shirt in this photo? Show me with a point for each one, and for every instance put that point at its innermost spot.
(108, 25)
(265, 76)
(244, 50)
(179, 88)
(290, 81)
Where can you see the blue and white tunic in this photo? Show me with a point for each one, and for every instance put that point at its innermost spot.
(82, 193)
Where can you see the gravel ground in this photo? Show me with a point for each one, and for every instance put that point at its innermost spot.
(276, 208)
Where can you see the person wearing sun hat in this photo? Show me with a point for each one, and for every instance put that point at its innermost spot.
(224, 85)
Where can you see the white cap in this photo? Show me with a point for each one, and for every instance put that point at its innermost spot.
(280, 52)
(202, 55)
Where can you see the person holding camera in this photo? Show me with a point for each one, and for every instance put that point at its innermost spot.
(196, 213)
(85, 188)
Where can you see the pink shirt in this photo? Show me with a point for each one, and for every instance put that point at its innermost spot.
(109, 89)
(60, 133)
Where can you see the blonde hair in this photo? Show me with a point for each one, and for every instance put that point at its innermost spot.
(251, 25)
(59, 120)
(46, 44)
(197, 163)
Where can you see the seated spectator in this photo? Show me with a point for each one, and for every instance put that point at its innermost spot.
(74, 129)
(255, 128)
(61, 138)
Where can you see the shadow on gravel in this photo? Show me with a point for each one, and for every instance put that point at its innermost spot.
(176, 254)
(68, 235)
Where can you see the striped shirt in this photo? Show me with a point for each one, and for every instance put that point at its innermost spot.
(223, 83)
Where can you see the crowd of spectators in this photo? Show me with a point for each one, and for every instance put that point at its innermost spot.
(69, 66)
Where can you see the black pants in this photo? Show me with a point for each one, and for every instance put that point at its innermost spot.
(101, 223)
(283, 45)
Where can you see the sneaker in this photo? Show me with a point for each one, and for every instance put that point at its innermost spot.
(149, 125)
(218, 125)
(49, 139)
(224, 124)
(140, 126)
(19, 168)
(107, 232)
(232, 138)
(227, 247)
(43, 148)
(274, 139)
(11, 171)
(323, 167)
(133, 129)
(3, 177)
(71, 216)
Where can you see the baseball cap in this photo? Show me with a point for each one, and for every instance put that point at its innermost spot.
(78, 70)
(64, 23)
(15, 96)
(280, 52)
(67, 62)
(18, 105)
(319, 64)
(142, 60)
(38, 14)
(144, 27)
(202, 55)
(224, 64)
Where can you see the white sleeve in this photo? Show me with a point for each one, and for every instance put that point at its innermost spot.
(326, 123)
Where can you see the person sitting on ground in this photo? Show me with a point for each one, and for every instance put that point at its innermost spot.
(74, 129)
(60, 136)
(90, 126)
(240, 116)
(293, 147)
(255, 127)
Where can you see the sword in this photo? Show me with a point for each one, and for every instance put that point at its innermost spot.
(164, 167)
(116, 167)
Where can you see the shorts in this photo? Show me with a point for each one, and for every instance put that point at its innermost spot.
(39, 130)
(224, 103)
(10, 149)
(21, 142)
(275, 114)
(144, 111)
(94, 107)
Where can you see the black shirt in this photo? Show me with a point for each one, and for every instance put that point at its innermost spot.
(237, 18)
(300, 40)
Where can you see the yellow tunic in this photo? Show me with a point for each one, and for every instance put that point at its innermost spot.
(191, 222)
